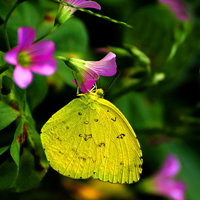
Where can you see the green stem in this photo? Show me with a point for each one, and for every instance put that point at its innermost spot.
(48, 33)
(92, 13)
(6, 22)
(61, 58)
(4, 68)
(24, 103)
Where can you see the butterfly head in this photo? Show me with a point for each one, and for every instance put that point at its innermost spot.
(100, 93)
(95, 94)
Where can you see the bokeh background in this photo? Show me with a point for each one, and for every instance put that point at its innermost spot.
(158, 89)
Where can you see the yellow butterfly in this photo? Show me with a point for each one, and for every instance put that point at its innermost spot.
(90, 137)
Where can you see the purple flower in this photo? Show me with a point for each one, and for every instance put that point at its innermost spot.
(178, 7)
(65, 12)
(28, 57)
(164, 182)
(89, 71)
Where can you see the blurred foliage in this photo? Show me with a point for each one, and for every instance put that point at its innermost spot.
(158, 90)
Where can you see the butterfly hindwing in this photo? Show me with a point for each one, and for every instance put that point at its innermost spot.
(70, 140)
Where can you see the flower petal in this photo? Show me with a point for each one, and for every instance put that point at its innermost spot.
(11, 56)
(26, 36)
(177, 190)
(178, 7)
(105, 67)
(170, 167)
(86, 86)
(170, 188)
(88, 79)
(46, 68)
(42, 51)
(74, 2)
(22, 76)
(89, 4)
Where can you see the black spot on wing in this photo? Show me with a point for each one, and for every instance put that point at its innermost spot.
(121, 136)
(102, 144)
(86, 137)
(114, 119)
(61, 152)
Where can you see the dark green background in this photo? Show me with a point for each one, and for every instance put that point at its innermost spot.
(164, 114)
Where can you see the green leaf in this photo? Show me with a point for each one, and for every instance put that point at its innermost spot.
(5, 8)
(141, 111)
(28, 155)
(2, 61)
(7, 116)
(36, 145)
(17, 141)
(71, 37)
(8, 173)
(3, 149)
(7, 83)
(28, 176)
(33, 164)
(22, 16)
(37, 91)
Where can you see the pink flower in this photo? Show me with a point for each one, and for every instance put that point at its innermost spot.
(164, 182)
(65, 12)
(178, 7)
(89, 71)
(81, 4)
(28, 57)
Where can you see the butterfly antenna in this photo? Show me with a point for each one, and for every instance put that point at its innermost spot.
(113, 81)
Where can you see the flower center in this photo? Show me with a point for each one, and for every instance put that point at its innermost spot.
(24, 59)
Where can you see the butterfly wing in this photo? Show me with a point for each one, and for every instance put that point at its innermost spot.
(122, 160)
(70, 142)
(91, 137)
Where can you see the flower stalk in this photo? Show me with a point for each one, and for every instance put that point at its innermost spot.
(6, 22)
